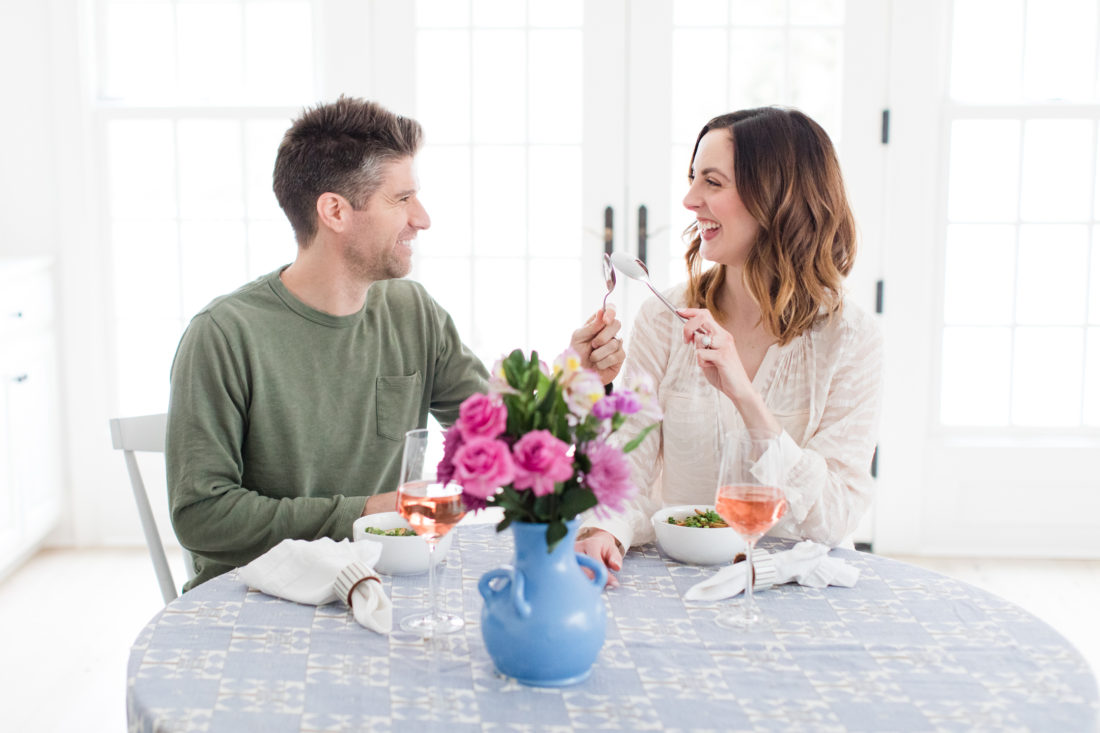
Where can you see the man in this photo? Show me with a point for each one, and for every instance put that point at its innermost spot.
(291, 396)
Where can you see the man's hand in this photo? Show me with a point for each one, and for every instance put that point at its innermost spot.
(597, 345)
(600, 545)
(384, 502)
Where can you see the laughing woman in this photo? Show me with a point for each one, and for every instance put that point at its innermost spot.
(787, 353)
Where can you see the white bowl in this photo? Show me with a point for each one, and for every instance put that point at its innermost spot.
(400, 555)
(695, 545)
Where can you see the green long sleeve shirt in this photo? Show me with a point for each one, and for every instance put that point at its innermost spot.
(282, 418)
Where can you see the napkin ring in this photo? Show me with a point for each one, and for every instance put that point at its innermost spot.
(764, 574)
(348, 579)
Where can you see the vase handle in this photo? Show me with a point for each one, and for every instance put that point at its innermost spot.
(515, 581)
(598, 569)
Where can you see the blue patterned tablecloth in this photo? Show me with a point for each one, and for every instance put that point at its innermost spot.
(904, 650)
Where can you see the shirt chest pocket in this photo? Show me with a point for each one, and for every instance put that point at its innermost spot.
(397, 401)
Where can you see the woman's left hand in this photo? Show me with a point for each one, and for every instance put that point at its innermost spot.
(720, 361)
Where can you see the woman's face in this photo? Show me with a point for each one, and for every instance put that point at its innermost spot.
(726, 227)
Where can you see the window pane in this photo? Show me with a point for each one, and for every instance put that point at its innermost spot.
(145, 255)
(142, 169)
(443, 85)
(499, 85)
(210, 169)
(556, 13)
(443, 13)
(500, 200)
(208, 36)
(445, 193)
(694, 97)
(556, 86)
(1092, 379)
(700, 13)
(554, 303)
(757, 68)
(758, 12)
(987, 50)
(817, 12)
(979, 283)
(144, 349)
(554, 224)
(500, 307)
(815, 68)
(1060, 51)
(448, 279)
(1094, 279)
(984, 170)
(279, 52)
(1046, 388)
(1057, 177)
(499, 13)
(138, 50)
(1053, 274)
(261, 143)
(976, 363)
(270, 245)
(213, 261)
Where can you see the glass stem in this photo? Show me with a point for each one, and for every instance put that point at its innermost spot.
(749, 611)
(432, 612)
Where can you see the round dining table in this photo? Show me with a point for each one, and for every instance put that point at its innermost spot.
(905, 649)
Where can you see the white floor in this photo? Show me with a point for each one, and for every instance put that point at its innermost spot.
(68, 617)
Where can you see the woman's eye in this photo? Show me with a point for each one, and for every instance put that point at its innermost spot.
(712, 182)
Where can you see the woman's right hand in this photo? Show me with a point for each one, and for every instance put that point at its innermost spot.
(601, 545)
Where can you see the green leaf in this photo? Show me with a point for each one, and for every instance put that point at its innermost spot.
(639, 438)
(555, 533)
(503, 524)
(576, 500)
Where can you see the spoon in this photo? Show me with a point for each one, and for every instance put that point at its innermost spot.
(635, 269)
(608, 276)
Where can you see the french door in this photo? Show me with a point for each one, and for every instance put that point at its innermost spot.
(554, 129)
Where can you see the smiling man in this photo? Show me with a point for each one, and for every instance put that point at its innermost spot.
(291, 396)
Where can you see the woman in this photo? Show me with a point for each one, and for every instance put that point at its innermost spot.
(787, 354)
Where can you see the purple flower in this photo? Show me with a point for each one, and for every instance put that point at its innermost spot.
(482, 416)
(541, 460)
(452, 441)
(609, 476)
(605, 409)
(626, 402)
(483, 465)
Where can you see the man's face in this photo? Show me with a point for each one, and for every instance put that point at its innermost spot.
(379, 245)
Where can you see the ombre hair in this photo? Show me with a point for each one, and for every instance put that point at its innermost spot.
(788, 177)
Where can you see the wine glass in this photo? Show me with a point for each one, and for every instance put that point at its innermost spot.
(432, 510)
(751, 500)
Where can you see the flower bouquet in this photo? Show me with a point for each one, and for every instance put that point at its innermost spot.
(539, 444)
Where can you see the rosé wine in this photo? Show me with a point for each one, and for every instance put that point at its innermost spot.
(751, 510)
(431, 509)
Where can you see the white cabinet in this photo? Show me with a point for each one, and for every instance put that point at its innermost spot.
(30, 455)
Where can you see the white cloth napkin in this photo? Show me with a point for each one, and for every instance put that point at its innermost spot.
(807, 563)
(305, 571)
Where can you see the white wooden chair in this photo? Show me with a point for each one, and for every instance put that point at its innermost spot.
(146, 433)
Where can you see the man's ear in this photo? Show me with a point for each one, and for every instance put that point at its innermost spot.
(333, 211)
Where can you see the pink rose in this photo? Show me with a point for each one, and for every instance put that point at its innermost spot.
(482, 416)
(483, 465)
(609, 476)
(541, 460)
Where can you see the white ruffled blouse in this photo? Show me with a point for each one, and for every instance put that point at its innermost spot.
(824, 388)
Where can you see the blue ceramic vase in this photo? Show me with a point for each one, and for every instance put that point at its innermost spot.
(544, 620)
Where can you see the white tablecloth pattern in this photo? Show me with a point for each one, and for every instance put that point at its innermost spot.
(904, 650)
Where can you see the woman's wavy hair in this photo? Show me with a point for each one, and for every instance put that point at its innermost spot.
(788, 177)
